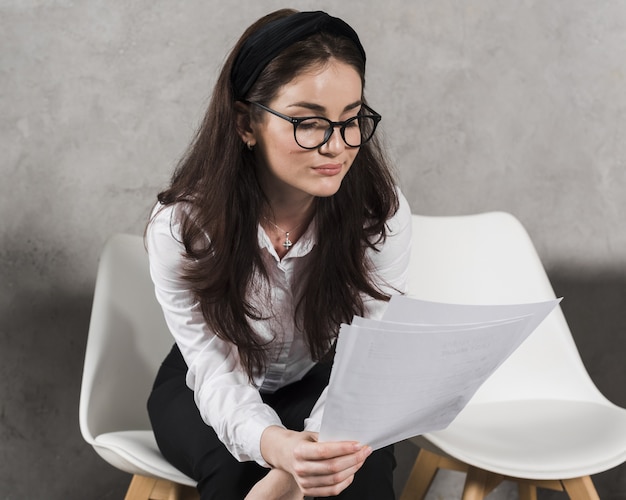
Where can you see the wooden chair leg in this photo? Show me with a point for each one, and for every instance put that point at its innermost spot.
(167, 490)
(176, 492)
(422, 475)
(182, 492)
(580, 488)
(147, 488)
(527, 491)
(479, 483)
(493, 481)
(140, 488)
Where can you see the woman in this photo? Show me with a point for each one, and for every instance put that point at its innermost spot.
(280, 223)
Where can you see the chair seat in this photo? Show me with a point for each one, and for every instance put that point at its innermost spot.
(136, 452)
(540, 439)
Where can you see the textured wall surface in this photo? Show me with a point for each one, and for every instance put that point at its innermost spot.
(487, 105)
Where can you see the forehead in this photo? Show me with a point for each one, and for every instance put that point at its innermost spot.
(332, 84)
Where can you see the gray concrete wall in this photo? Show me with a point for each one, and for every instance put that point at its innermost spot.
(487, 105)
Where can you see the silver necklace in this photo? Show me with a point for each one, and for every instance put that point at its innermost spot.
(287, 243)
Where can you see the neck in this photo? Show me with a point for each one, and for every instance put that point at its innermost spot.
(289, 215)
(286, 206)
(286, 222)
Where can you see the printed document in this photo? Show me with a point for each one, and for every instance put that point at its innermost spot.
(413, 371)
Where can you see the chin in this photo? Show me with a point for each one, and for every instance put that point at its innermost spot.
(329, 187)
(326, 191)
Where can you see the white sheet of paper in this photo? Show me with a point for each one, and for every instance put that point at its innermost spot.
(415, 370)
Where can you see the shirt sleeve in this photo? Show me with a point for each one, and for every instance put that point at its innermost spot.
(390, 264)
(227, 401)
(391, 268)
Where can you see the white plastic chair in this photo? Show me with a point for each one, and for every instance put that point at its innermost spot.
(127, 341)
(539, 420)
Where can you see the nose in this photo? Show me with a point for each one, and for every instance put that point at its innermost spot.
(335, 143)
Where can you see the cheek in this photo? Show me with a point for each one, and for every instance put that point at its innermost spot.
(352, 157)
(280, 142)
(282, 156)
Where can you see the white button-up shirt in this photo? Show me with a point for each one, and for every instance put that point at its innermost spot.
(227, 401)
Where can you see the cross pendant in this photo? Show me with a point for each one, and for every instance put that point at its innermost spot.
(287, 243)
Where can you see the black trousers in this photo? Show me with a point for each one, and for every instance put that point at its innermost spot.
(194, 448)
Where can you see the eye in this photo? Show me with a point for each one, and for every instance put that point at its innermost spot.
(313, 124)
(352, 122)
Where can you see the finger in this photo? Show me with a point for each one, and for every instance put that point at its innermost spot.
(329, 467)
(327, 480)
(328, 491)
(312, 450)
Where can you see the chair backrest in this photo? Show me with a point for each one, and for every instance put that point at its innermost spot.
(489, 259)
(127, 341)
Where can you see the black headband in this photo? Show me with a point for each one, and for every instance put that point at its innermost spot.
(265, 44)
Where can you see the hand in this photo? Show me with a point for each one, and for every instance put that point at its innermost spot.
(319, 469)
(276, 485)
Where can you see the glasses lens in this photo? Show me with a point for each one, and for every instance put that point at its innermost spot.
(359, 130)
(311, 133)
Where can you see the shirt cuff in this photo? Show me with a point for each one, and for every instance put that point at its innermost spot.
(255, 435)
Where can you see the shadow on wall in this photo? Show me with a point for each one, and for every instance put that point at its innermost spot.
(595, 308)
(42, 454)
(42, 343)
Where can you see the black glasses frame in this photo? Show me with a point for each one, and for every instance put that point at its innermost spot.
(376, 117)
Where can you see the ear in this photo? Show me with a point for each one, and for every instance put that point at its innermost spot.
(243, 123)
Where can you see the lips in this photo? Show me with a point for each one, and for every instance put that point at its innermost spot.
(329, 169)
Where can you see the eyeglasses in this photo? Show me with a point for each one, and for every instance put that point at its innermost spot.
(312, 132)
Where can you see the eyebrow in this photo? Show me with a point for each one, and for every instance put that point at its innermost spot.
(321, 109)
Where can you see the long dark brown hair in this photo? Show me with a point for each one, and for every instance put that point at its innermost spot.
(223, 200)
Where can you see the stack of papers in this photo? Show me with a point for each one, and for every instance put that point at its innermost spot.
(413, 371)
